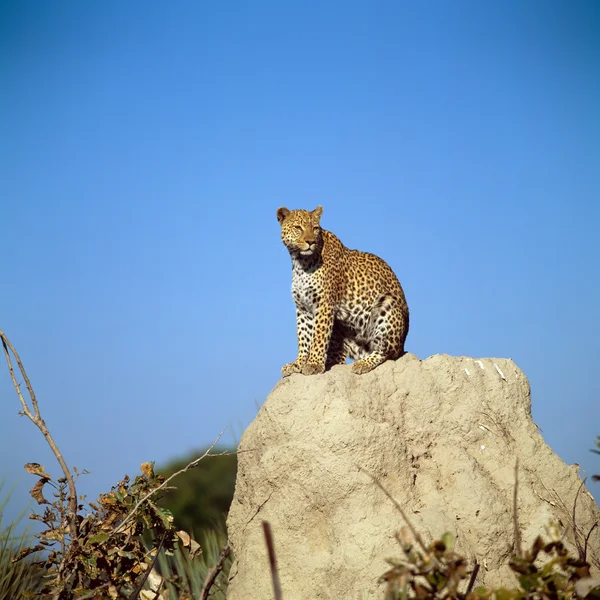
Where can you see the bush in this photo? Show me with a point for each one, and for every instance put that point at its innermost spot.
(436, 571)
(107, 549)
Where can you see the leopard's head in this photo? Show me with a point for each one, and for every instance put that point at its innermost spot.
(300, 230)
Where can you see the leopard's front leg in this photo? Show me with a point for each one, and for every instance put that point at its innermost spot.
(315, 363)
(304, 331)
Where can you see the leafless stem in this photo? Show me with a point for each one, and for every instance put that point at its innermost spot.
(213, 573)
(272, 560)
(189, 466)
(580, 548)
(473, 578)
(414, 532)
(587, 537)
(518, 547)
(37, 420)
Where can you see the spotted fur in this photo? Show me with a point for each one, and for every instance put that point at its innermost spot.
(348, 303)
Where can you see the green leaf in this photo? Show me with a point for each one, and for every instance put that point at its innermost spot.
(503, 594)
(166, 516)
(98, 539)
(527, 581)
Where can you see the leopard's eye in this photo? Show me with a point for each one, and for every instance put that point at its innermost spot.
(316, 229)
(297, 227)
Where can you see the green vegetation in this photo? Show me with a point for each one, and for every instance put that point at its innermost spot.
(18, 579)
(546, 571)
(213, 481)
(115, 542)
(115, 551)
(104, 549)
(133, 542)
(186, 575)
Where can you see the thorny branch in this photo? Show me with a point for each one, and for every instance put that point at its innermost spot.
(37, 420)
(166, 481)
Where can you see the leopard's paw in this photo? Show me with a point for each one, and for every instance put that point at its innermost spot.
(311, 368)
(290, 368)
(364, 365)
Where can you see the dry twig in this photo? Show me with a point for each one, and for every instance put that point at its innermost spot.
(166, 481)
(37, 420)
(213, 573)
(138, 588)
(580, 548)
(272, 560)
(473, 578)
(587, 539)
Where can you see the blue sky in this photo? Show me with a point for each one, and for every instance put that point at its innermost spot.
(144, 149)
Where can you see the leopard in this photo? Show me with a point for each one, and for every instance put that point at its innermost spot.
(349, 303)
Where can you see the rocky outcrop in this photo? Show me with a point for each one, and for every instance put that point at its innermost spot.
(442, 435)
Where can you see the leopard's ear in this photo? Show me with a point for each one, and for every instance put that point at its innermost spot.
(282, 213)
(318, 211)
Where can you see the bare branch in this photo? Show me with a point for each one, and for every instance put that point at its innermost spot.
(587, 539)
(473, 578)
(6, 345)
(37, 420)
(213, 573)
(272, 560)
(191, 465)
(580, 548)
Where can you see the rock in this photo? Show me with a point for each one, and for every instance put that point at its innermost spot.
(442, 435)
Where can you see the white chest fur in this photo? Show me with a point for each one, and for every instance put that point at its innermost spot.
(304, 286)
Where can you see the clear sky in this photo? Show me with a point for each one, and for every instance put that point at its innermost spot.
(144, 149)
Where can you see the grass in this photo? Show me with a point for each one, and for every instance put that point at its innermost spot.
(184, 577)
(18, 580)
(183, 573)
